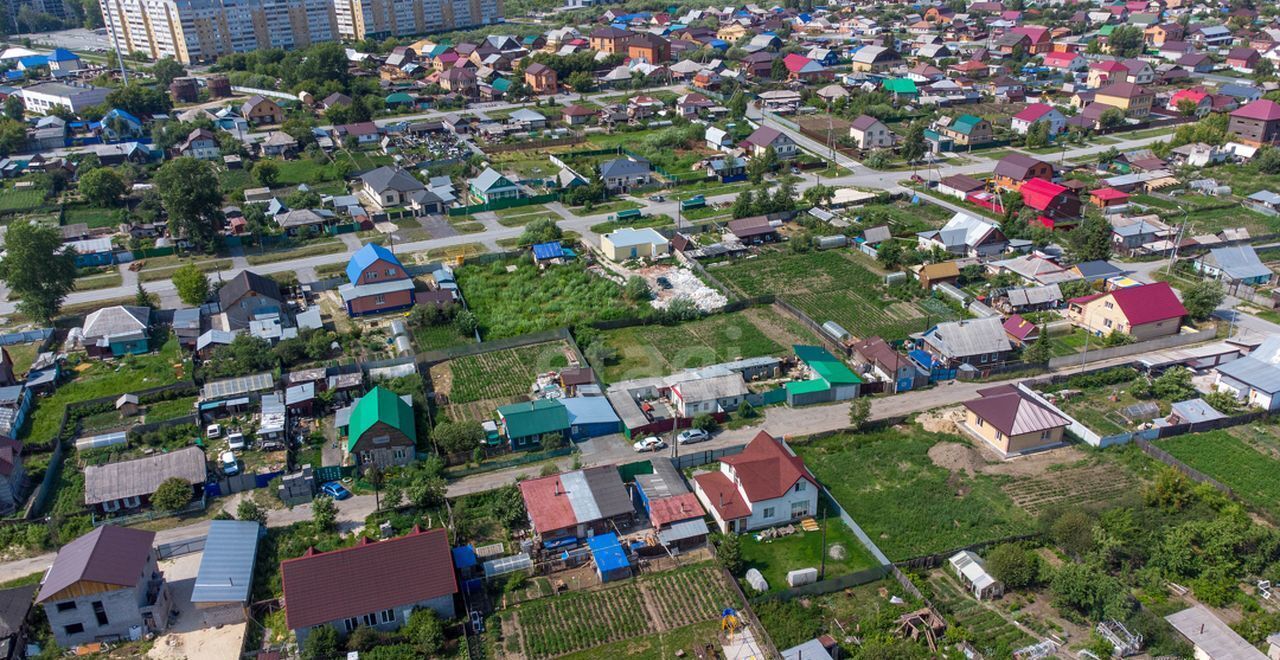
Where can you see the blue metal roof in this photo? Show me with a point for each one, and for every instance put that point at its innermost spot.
(226, 569)
(921, 357)
(368, 254)
(551, 250)
(607, 553)
(589, 410)
(62, 55)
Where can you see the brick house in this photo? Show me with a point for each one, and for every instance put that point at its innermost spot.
(540, 78)
(1256, 123)
(377, 282)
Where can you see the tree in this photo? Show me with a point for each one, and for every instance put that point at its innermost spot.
(581, 82)
(192, 197)
(1264, 69)
(913, 145)
(859, 412)
(1174, 385)
(1091, 241)
(1040, 350)
(1126, 41)
(192, 284)
(889, 253)
(172, 494)
(102, 186)
(636, 289)
(542, 230)
(1073, 532)
(142, 298)
(166, 69)
(705, 422)
(729, 552)
(759, 166)
(1187, 107)
(321, 644)
(267, 173)
(1267, 161)
(324, 512)
(13, 107)
(738, 105)
(1038, 134)
(249, 510)
(1202, 298)
(139, 99)
(465, 323)
(13, 136)
(1014, 565)
(1111, 118)
(778, 70)
(425, 631)
(37, 270)
(508, 506)
(455, 437)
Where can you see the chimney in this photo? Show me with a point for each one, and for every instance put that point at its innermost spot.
(557, 482)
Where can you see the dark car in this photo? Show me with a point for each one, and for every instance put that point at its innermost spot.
(664, 282)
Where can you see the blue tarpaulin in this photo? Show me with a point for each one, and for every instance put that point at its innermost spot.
(560, 543)
(551, 250)
(464, 557)
(611, 561)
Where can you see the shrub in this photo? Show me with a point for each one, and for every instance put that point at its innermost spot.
(173, 494)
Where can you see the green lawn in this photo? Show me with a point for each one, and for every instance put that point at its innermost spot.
(17, 201)
(90, 215)
(907, 504)
(105, 378)
(166, 272)
(776, 557)
(100, 281)
(434, 337)
(658, 350)
(23, 355)
(170, 409)
(529, 299)
(608, 207)
(647, 221)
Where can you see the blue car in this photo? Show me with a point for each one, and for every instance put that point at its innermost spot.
(335, 490)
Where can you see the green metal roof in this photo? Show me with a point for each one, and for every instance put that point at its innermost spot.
(399, 97)
(901, 86)
(530, 418)
(501, 84)
(380, 405)
(807, 386)
(1106, 30)
(964, 124)
(826, 365)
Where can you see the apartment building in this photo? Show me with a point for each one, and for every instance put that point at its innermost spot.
(203, 30)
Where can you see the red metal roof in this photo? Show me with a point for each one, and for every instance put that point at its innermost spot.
(1039, 193)
(766, 470)
(1034, 112)
(722, 495)
(548, 507)
(666, 510)
(373, 576)
(1109, 194)
(1261, 110)
(1019, 327)
(1149, 303)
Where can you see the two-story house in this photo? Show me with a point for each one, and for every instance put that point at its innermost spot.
(246, 295)
(379, 428)
(105, 586)
(870, 133)
(1143, 312)
(376, 282)
(765, 137)
(200, 144)
(1256, 123)
(764, 486)
(258, 110)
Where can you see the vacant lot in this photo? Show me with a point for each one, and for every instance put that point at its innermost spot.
(510, 303)
(1248, 469)
(658, 350)
(828, 286)
(909, 505)
(497, 374)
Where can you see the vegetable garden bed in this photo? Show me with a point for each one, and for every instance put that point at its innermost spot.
(497, 374)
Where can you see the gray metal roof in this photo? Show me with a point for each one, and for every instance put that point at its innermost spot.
(226, 567)
(118, 321)
(1239, 262)
(611, 498)
(1038, 295)
(665, 480)
(685, 529)
(961, 339)
(142, 476)
(1211, 636)
(1253, 372)
(350, 292)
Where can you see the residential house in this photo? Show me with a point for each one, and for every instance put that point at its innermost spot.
(718, 139)
(1143, 312)
(758, 64)
(876, 59)
(801, 68)
(650, 48)
(754, 230)
(965, 130)
(590, 416)
(831, 380)
(104, 586)
(540, 78)
(16, 402)
(1013, 422)
(610, 39)
(870, 133)
(524, 424)
(381, 430)
(12, 475)
(128, 485)
(765, 137)
(389, 187)
(1065, 61)
(576, 115)
(1211, 637)
(491, 186)
(259, 110)
(1255, 378)
(459, 80)
(1134, 99)
(877, 358)
(1243, 59)
(623, 174)
(713, 394)
(245, 296)
(975, 342)
(1035, 113)
(377, 584)
(118, 125)
(1058, 206)
(278, 144)
(1021, 331)
(116, 331)
(763, 486)
(931, 275)
(674, 511)
(1234, 265)
(965, 234)
(1256, 123)
(1138, 72)
(1102, 72)
(1200, 101)
(15, 612)
(630, 243)
(960, 186)
(377, 282)
(1015, 169)
(567, 508)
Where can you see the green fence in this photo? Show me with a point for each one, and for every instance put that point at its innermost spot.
(774, 396)
(630, 471)
(145, 253)
(505, 204)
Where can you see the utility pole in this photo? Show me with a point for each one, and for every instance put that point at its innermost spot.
(115, 43)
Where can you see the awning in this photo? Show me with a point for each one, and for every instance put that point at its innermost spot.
(685, 529)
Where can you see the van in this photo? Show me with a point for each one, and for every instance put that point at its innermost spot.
(236, 441)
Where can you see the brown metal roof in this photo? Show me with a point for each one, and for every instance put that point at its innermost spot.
(108, 554)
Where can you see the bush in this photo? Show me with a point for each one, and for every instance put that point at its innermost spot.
(729, 552)
(1014, 565)
(173, 494)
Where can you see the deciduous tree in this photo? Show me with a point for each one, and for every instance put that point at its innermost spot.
(38, 271)
(192, 199)
(102, 186)
(172, 494)
(192, 284)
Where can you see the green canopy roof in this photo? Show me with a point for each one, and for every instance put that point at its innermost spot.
(807, 386)
(380, 405)
(901, 86)
(826, 365)
(399, 97)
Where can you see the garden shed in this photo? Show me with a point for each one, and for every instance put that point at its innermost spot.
(611, 560)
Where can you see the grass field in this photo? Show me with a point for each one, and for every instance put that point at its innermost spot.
(17, 201)
(310, 250)
(658, 350)
(497, 374)
(106, 378)
(647, 221)
(527, 300)
(907, 504)
(23, 355)
(90, 215)
(434, 337)
(166, 272)
(1238, 464)
(828, 286)
(100, 281)
(775, 558)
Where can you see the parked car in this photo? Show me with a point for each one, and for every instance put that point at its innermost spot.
(335, 490)
(664, 283)
(692, 436)
(236, 441)
(477, 622)
(651, 443)
(657, 198)
(230, 466)
(213, 431)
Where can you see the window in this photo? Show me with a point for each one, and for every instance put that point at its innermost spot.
(768, 512)
(132, 502)
(391, 272)
(800, 486)
(999, 435)
(67, 606)
(351, 624)
(113, 505)
(379, 299)
(371, 275)
(387, 616)
(1109, 305)
(399, 453)
(100, 613)
(981, 423)
(370, 619)
(1106, 322)
(1044, 435)
(73, 629)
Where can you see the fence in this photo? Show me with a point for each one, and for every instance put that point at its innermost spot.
(1151, 435)
(1098, 355)
(179, 548)
(505, 204)
(196, 506)
(442, 355)
(534, 144)
(514, 461)
(42, 335)
(940, 558)
(1195, 475)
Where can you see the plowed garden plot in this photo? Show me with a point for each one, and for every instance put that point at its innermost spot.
(986, 627)
(497, 374)
(828, 286)
(579, 621)
(1073, 486)
(1232, 461)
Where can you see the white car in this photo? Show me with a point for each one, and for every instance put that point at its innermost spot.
(651, 443)
(236, 441)
(230, 466)
(692, 436)
(213, 431)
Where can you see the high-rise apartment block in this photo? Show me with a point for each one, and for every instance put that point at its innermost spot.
(203, 30)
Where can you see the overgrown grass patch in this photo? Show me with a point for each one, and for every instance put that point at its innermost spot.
(285, 254)
(774, 558)
(658, 350)
(1237, 464)
(528, 299)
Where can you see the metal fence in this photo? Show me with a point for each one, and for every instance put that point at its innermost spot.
(1099, 354)
(179, 548)
(515, 461)
(41, 335)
